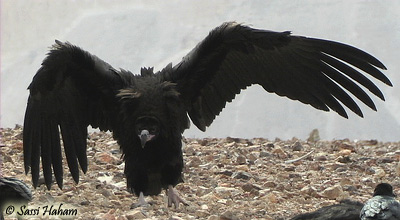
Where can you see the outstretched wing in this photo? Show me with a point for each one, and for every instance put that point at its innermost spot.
(72, 89)
(313, 71)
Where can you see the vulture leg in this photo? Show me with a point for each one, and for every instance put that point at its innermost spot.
(141, 202)
(173, 197)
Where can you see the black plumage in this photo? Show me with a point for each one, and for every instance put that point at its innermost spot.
(13, 192)
(382, 206)
(345, 210)
(149, 112)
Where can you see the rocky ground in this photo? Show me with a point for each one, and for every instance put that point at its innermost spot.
(225, 179)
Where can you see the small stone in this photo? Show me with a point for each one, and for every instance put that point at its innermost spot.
(204, 207)
(85, 202)
(385, 160)
(380, 173)
(194, 161)
(272, 198)
(241, 159)
(333, 192)
(242, 168)
(344, 159)
(308, 190)
(297, 146)
(7, 158)
(201, 191)
(248, 187)
(174, 217)
(290, 168)
(270, 145)
(369, 170)
(213, 217)
(106, 216)
(279, 152)
(314, 136)
(110, 143)
(110, 215)
(134, 214)
(264, 154)
(106, 158)
(346, 146)
(242, 175)
(226, 191)
(201, 213)
(270, 184)
(228, 215)
(252, 157)
(189, 150)
(344, 152)
(294, 176)
(398, 169)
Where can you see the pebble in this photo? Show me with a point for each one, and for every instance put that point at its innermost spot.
(107, 158)
(238, 179)
(241, 159)
(228, 215)
(308, 190)
(194, 161)
(226, 191)
(213, 217)
(174, 217)
(297, 146)
(398, 169)
(201, 213)
(242, 175)
(380, 173)
(279, 152)
(135, 214)
(333, 192)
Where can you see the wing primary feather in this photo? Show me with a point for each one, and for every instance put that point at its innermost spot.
(348, 85)
(28, 135)
(80, 146)
(355, 57)
(342, 49)
(341, 95)
(56, 154)
(320, 67)
(69, 148)
(354, 74)
(35, 154)
(46, 140)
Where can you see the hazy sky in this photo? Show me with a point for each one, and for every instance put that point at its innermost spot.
(132, 34)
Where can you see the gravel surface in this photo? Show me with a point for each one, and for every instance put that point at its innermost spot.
(228, 178)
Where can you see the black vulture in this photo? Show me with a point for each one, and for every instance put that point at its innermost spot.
(382, 206)
(13, 192)
(148, 113)
(345, 210)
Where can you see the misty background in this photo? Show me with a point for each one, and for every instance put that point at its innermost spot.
(135, 34)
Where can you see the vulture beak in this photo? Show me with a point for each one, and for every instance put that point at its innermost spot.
(145, 136)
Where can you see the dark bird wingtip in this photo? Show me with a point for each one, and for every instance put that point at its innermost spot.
(60, 184)
(26, 169)
(76, 178)
(48, 186)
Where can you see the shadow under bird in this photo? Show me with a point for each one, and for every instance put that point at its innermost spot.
(148, 113)
(382, 206)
